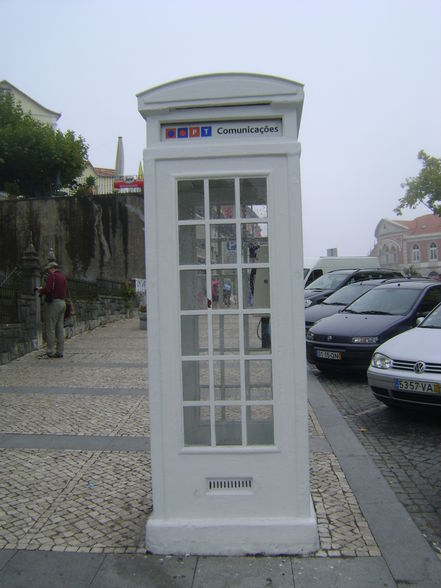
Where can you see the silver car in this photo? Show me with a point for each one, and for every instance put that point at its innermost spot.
(406, 370)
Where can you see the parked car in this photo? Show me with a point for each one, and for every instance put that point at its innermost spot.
(337, 301)
(320, 289)
(347, 340)
(314, 267)
(406, 370)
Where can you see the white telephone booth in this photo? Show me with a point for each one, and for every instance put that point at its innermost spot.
(226, 355)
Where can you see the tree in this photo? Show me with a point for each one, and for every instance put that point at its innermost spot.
(35, 159)
(425, 188)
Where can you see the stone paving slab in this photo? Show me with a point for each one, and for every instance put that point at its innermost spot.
(77, 391)
(342, 573)
(77, 499)
(74, 500)
(249, 572)
(94, 359)
(71, 375)
(74, 442)
(99, 502)
(29, 569)
(150, 571)
(343, 530)
(80, 415)
(314, 428)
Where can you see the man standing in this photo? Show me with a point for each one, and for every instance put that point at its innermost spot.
(55, 291)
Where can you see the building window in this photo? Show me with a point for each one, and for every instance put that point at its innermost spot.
(433, 252)
(384, 257)
(393, 255)
(415, 253)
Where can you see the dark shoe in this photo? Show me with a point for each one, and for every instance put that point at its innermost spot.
(57, 355)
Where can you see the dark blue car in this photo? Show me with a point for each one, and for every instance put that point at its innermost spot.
(327, 284)
(346, 340)
(337, 301)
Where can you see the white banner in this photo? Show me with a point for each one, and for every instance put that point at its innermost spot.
(222, 130)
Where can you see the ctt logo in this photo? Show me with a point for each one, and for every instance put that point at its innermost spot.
(188, 132)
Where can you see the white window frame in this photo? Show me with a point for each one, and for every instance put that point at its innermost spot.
(394, 254)
(211, 357)
(416, 255)
(433, 252)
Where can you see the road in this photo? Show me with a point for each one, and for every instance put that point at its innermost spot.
(405, 445)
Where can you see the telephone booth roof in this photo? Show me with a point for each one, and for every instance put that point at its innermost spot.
(221, 89)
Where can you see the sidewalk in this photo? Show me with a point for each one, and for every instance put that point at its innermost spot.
(75, 486)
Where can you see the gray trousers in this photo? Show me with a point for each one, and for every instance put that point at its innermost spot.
(55, 326)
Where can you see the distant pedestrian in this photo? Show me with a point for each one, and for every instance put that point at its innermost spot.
(227, 293)
(54, 291)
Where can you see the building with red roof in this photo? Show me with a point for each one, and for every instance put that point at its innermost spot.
(402, 244)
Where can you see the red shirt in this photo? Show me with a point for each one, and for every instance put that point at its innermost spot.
(56, 285)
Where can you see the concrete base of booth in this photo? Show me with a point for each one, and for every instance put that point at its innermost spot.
(265, 536)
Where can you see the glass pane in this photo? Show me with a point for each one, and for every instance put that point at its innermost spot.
(225, 334)
(259, 380)
(228, 425)
(195, 380)
(193, 290)
(257, 333)
(260, 425)
(190, 199)
(223, 244)
(255, 243)
(191, 244)
(253, 200)
(226, 380)
(226, 283)
(194, 335)
(222, 203)
(197, 425)
(256, 288)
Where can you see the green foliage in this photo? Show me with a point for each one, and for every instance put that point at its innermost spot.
(425, 188)
(11, 188)
(84, 188)
(36, 158)
(129, 294)
(128, 291)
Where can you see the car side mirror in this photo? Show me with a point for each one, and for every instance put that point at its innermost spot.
(419, 320)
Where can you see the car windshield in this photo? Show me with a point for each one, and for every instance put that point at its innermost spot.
(305, 272)
(347, 294)
(397, 301)
(328, 281)
(433, 320)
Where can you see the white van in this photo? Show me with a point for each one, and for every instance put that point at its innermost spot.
(314, 267)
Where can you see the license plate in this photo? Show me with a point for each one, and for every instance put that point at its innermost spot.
(411, 386)
(328, 354)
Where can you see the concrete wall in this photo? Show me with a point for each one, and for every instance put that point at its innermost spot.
(92, 237)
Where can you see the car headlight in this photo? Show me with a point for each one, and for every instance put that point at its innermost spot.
(308, 302)
(383, 362)
(365, 340)
(309, 336)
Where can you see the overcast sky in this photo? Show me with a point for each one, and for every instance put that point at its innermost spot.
(371, 70)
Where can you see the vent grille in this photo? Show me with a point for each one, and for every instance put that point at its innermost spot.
(229, 484)
(431, 368)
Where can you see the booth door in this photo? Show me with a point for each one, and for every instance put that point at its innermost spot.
(224, 228)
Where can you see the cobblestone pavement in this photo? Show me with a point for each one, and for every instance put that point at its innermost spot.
(63, 489)
(405, 446)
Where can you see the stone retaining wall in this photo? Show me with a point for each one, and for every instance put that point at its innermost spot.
(92, 237)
